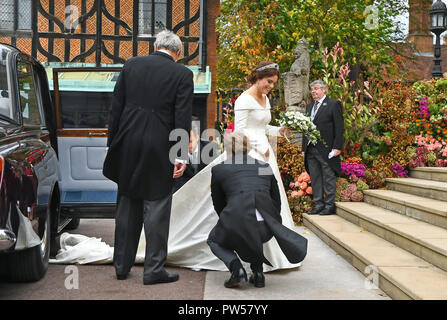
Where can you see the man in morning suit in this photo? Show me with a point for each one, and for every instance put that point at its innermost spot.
(152, 97)
(246, 197)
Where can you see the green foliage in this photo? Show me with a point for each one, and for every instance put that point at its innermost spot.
(251, 31)
(359, 114)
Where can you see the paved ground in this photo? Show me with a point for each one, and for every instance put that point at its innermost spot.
(323, 275)
(99, 281)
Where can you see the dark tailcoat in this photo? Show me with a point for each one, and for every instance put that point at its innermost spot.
(329, 121)
(153, 96)
(208, 151)
(237, 190)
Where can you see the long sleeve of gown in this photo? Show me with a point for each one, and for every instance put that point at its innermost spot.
(244, 113)
(273, 131)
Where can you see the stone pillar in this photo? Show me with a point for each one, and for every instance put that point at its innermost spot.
(419, 26)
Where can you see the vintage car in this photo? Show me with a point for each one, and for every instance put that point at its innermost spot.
(29, 169)
(53, 134)
(81, 99)
(53, 141)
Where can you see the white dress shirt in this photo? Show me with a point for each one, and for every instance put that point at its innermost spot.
(320, 102)
(194, 156)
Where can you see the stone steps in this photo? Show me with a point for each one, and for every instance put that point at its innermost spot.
(424, 209)
(401, 232)
(400, 274)
(421, 239)
(420, 187)
(429, 173)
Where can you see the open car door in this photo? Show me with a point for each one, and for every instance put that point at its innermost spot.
(82, 98)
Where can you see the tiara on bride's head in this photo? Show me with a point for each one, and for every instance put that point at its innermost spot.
(269, 66)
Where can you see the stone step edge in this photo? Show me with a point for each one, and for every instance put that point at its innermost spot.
(430, 169)
(316, 228)
(412, 183)
(414, 205)
(389, 228)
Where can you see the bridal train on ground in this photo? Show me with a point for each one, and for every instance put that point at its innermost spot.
(192, 213)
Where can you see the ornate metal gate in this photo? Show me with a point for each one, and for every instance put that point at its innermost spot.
(90, 28)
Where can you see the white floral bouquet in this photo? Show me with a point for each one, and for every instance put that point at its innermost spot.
(302, 124)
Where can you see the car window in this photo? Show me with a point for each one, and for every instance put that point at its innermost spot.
(85, 98)
(5, 88)
(29, 102)
(85, 109)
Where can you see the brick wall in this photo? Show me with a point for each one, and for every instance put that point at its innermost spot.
(125, 47)
(108, 28)
(213, 13)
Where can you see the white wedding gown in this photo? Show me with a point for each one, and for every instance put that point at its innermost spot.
(192, 213)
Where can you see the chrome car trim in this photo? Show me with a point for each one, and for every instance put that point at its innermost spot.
(7, 239)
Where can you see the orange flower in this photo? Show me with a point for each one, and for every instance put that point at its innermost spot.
(439, 138)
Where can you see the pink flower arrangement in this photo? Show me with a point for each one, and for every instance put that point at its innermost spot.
(429, 142)
(399, 170)
(420, 158)
(441, 163)
(301, 187)
(423, 108)
(230, 128)
(344, 71)
(337, 49)
(348, 169)
(351, 194)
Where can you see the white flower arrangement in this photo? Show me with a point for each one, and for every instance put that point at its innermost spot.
(300, 123)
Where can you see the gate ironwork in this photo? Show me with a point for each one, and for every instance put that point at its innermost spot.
(95, 13)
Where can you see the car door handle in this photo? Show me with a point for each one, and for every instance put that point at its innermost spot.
(97, 134)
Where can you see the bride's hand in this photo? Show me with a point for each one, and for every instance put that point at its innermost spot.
(284, 131)
(267, 155)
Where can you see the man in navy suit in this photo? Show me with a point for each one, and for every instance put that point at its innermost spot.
(322, 160)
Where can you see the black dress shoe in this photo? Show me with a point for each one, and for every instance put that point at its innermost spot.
(258, 279)
(165, 278)
(316, 210)
(328, 211)
(238, 277)
(122, 276)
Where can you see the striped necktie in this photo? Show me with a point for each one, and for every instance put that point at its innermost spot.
(314, 110)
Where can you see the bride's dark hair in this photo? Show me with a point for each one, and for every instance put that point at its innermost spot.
(257, 75)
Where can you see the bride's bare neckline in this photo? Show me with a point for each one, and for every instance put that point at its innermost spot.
(260, 104)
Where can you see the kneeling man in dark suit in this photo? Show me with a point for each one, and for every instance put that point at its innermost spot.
(246, 197)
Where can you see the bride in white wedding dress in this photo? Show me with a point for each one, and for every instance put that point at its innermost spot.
(192, 213)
